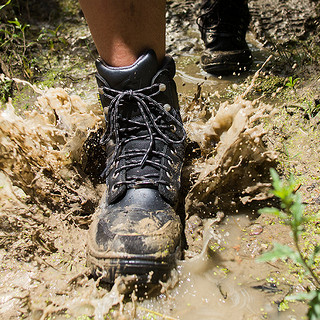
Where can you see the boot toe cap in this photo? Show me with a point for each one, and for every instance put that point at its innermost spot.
(138, 235)
(135, 232)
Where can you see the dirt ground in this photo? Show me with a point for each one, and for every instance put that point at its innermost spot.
(238, 128)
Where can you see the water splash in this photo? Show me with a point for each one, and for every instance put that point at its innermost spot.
(39, 150)
(46, 197)
(234, 165)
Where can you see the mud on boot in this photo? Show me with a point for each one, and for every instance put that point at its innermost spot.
(136, 230)
(223, 25)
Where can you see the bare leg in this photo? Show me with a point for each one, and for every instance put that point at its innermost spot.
(123, 29)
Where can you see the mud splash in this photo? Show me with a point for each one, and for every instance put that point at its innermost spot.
(47, 199)
(234, 163)
(41, 152)
(49, 164)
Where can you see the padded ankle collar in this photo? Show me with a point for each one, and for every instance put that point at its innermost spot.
(134, 77)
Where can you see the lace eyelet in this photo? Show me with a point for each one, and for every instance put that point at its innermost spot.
(162, 87)
(115, 175)
(169, 175)
(168, 188)
(114, 187)
(167, 107)
(170, 162)
(173, 128)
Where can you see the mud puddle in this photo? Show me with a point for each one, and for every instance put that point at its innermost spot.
(49, 167)
(223, 283)
(47, 198)
(190, 74)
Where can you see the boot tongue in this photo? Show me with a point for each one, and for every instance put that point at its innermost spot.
(136, 76)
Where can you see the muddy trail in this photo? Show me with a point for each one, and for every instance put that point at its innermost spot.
(238, 128)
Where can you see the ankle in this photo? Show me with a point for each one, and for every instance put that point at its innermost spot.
(120, 57)
(123, 56)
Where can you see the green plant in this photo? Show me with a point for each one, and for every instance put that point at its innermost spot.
(291, 212)
(292, 82)
(53, 38)
(4, 5)
(14, 44)
(312, 109)
(20, 31)
(5, 89)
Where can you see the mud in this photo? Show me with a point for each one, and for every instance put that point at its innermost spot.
(50, 163)
(276, 22)
(231, 145)
(47, 201)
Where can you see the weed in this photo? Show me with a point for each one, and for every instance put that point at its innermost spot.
(4, 5)
(297, 53)
(5, 89)
(292, 82)
(311, 109)
(292, 214)
(20, 32)
(52, 38)
(269, 85)
(14, 45)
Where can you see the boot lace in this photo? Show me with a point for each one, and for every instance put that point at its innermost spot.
(203, 20)
(152, 124)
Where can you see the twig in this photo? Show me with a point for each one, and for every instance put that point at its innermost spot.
(256, 75)
(24, 82)
(272, 265)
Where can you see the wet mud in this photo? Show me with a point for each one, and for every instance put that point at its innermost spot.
(50, 186)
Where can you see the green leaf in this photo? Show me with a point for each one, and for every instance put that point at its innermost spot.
(292, 82)
(274, 211)
(280, 251)
(314, 307)
(295, 81)
(25, 26)
(276, 182)
(8, 2)
(297, 209)
(302, 296)
(313, 298)
(289, 83)
(16, 22)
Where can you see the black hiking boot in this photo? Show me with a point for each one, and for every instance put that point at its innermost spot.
(223, 25)
(137, 231)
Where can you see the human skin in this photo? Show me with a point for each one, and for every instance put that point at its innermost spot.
(123, 29)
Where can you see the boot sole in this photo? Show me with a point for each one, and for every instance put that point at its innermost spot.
(146, 270)
(227, 63)
(225, 69)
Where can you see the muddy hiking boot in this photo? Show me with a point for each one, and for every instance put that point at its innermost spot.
(137, 231)
(223, 25)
